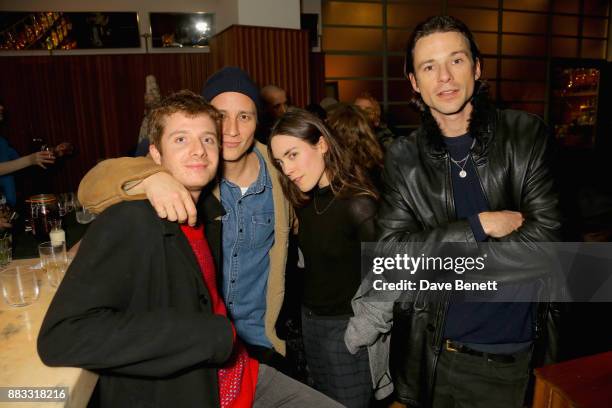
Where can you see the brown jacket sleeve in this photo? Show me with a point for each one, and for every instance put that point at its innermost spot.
(106, 183)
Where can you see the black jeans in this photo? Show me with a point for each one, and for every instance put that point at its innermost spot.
(467, 381)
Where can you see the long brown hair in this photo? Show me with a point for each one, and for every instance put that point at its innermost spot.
(353, 130)
(346, 179)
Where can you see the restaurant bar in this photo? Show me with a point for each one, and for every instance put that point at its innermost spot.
(305, 203)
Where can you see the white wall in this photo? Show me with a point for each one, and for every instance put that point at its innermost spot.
(269, 13)
(312, 7)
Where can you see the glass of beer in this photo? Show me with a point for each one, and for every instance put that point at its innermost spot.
(54, 261)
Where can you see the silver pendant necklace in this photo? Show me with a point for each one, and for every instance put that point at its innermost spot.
(326, 207)
(461, 164)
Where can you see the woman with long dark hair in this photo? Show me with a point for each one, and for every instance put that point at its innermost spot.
(336, 206)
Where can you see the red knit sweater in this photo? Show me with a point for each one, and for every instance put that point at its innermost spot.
(238, 377)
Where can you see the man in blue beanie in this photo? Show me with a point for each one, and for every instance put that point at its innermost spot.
(257, 220)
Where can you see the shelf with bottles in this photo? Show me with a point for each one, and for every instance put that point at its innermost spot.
(577, 82)
(43, 30)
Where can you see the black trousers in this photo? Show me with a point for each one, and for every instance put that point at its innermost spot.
(467, 381)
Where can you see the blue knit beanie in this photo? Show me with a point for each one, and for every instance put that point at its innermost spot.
(231, 79)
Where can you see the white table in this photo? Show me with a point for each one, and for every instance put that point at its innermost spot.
(20, 365)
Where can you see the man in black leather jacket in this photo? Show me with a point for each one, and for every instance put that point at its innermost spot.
(470, 173)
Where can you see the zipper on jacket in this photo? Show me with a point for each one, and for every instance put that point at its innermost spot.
(484, 192)
(450, 202)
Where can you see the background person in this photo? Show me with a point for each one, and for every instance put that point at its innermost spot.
(10, 162)
(352, 129)
(371, 107)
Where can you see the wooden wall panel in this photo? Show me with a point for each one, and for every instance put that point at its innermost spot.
(95, 102)
(271, 56)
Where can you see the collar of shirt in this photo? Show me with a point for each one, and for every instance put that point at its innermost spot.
(263, 178)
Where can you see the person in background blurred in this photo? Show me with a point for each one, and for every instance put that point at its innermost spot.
(317, 110)
(328, 103)
(275, 104)
(353, 131)
(371, 107)
(151, 97)
(10, 162)
(275, 101)
(336, 207)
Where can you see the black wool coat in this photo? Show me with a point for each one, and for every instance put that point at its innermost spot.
(133, 308)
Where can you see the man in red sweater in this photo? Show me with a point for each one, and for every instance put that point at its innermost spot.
(139, 304)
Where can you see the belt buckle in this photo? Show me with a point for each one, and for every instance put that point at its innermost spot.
(450, 347)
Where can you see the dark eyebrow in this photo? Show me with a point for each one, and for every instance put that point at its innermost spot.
(240, 112)
(459, 52)
(425, 62)
(288, 151)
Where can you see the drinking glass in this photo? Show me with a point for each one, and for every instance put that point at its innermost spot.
(54, 261)
(6, 249)
(62, 205)
(19, 286)
(71, 202)
(84, 216)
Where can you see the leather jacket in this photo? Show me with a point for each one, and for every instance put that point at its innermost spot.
(511, 156)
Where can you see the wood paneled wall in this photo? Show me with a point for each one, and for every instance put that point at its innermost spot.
(271, 55)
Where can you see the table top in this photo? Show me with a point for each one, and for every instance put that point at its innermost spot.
(586, 381)
(20, 365)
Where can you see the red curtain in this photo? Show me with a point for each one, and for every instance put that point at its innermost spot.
(95, 102)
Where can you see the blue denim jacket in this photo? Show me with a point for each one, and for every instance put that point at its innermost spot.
(248, 235)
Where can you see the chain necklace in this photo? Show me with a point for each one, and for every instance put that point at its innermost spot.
(326, 207)
(461, 164)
